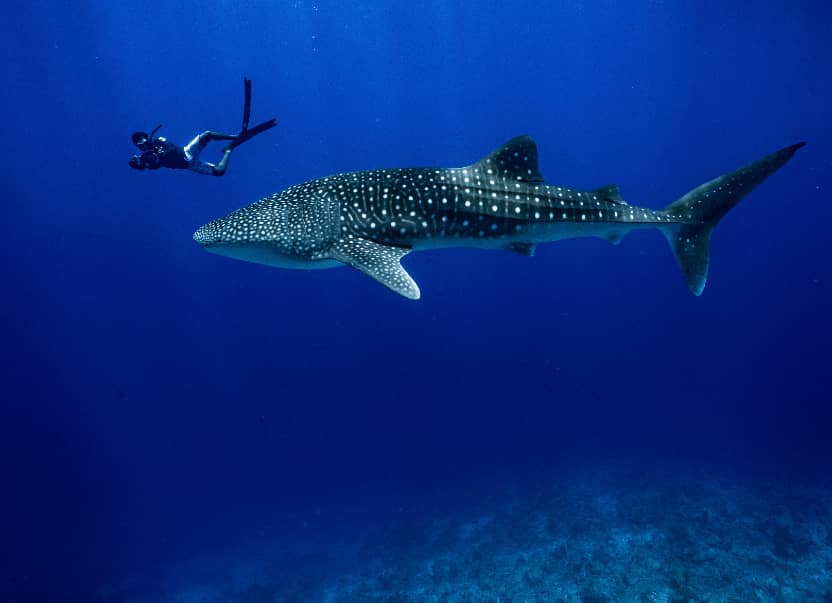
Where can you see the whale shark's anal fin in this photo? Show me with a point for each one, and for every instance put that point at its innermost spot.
(526, 249)
(381, 262)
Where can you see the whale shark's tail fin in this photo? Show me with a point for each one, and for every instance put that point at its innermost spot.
(698, 212)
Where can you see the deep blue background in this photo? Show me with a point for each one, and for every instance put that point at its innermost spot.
(158, 401)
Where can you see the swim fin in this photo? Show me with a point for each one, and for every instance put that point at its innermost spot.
(247, 133)
(247, 104)
(250, 133)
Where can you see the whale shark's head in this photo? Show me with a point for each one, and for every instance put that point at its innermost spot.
(237, 230)
(222, 233)
(284, 230)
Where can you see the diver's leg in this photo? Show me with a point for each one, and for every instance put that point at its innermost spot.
(194, 148)
(198, 144)
(209, 135)
(208, 169)
(219, 169)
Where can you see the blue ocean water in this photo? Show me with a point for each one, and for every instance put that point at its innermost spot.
(177, 426)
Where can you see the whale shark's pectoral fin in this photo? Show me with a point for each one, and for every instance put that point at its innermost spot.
(381, 262)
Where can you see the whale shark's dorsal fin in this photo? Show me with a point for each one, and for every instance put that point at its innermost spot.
(515, 160)
(378, 261)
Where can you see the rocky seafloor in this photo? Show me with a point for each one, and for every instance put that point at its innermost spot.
(601, 534)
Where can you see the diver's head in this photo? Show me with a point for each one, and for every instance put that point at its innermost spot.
(140, 139)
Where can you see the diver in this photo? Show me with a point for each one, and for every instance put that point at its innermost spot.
(160, 152)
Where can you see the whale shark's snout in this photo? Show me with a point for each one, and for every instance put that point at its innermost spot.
(208, 235)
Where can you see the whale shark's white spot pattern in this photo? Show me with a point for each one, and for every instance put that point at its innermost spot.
(502, 197)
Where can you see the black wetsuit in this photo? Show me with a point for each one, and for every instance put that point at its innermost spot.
(170, 155)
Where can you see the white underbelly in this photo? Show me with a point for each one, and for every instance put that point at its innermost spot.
(270, 257)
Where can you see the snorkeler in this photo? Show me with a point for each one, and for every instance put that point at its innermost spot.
(160, 152)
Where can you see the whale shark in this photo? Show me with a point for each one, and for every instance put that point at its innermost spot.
(371, 219)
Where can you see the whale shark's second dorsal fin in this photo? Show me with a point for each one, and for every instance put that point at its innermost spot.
(610, 193)
(515, 160)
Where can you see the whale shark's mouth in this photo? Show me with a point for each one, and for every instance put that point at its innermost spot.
(207, 236)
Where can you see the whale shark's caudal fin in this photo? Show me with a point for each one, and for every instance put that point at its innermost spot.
(706, 205)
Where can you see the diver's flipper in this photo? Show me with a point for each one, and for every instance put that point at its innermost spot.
(250, 133)
(246, 133)
(247, 105)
